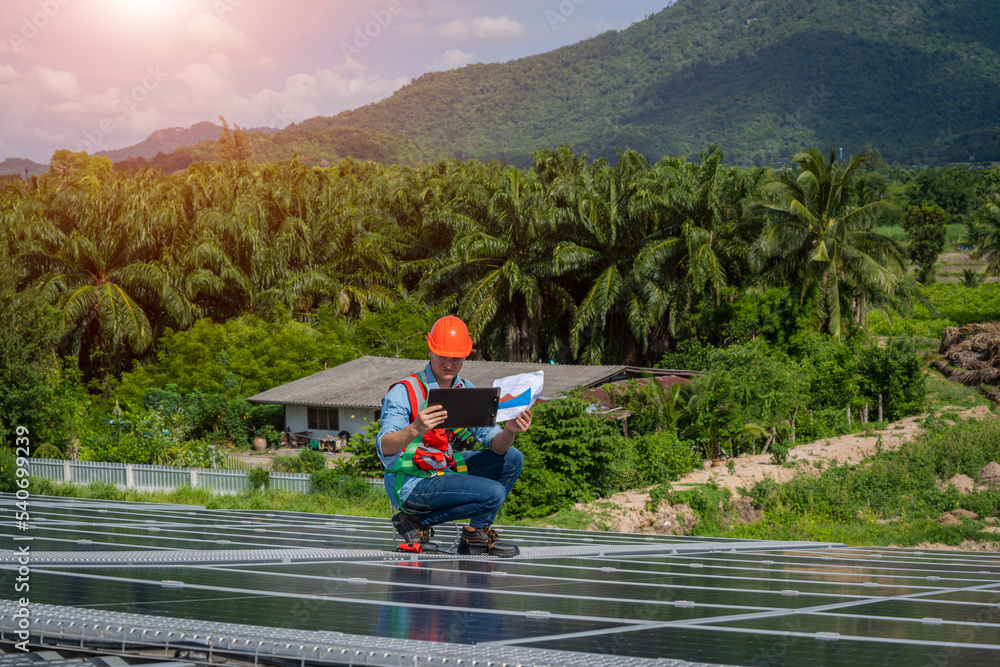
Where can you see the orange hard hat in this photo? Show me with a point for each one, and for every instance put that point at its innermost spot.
(449, 337)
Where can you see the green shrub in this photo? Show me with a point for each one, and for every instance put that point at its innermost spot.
(710, 503)
(660, 457)
(311, 460)
(240, 357)
(897, 373)
(211, 416)
(540, 491)
(132, 437)
(760, 491)
(568, 457)
(336, 482)
(273, 436)
(768, 385)
(104, 491)
(832, 369)
(8, 470)
(816, 424)
(779, 452)
(260, 479)
(364, 461)
(286, 464)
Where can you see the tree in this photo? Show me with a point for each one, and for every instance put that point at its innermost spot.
(233, 144)
(616, 252)
(712, 417)
(30, 331)
(820, 241)
(96, 253)
(287, 236)
(951, 188)
(709, 249)
(71, 166)
(988, 217)
(502, 258)
(925, 225)
(242, 357)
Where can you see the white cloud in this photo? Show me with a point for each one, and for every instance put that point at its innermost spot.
(452, 59)
(55, 83)
(205, 92)
(211, 33)
(8, 74)
(482, 27)
(43, 109)
(497, 28)
(203, 79)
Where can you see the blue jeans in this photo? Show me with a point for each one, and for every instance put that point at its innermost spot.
(476, 496)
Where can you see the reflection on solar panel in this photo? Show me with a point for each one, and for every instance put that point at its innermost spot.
(288, 588)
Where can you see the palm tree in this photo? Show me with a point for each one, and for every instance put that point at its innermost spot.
(820, 242)
(711, 244)
(988, 219)
(501, 257)
(95, 251)
(711, 417)
(284, 236)
(617, 255)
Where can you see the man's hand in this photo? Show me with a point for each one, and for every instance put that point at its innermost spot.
(519, 424)
(429, 418)
(505, 438)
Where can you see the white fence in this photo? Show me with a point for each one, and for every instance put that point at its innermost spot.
(162, 478)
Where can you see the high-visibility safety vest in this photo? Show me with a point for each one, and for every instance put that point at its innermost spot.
(433, 453)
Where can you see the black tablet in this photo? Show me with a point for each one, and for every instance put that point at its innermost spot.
(467, 407)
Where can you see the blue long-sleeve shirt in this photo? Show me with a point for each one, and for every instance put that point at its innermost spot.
(397, 414)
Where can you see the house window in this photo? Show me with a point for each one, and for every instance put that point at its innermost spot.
(324, 419)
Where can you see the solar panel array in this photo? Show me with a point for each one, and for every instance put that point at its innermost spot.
(284, 587)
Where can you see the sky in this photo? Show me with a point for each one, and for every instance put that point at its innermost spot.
(93, 75)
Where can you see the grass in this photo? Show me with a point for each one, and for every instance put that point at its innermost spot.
(570, 519)
(905, 532)
(954, 235)
(942, 393)
(373, 503)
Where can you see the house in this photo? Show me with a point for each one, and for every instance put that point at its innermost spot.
(349, 396)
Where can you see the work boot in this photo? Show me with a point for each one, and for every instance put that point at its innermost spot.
(476, 541)
(411, 530)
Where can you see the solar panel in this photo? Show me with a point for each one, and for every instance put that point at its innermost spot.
(185, 582)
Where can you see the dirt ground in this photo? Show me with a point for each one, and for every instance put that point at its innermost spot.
(812, 457)
(629, 511)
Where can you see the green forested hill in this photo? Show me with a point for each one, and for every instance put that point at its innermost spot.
(316, 145)
(762, 79)
(166, 141)
(16, 166)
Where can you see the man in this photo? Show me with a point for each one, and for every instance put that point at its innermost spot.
(424, 481)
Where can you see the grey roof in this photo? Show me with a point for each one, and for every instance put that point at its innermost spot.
(363, 382)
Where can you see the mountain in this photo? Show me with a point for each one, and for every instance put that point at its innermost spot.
(762, 79)
(17, 165)
(166, 141)
(317, 148)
